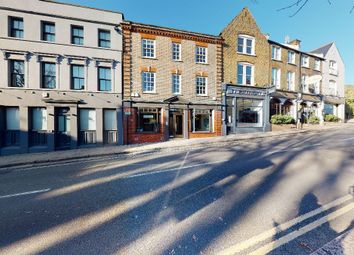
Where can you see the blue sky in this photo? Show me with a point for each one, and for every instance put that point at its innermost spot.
(317, 24)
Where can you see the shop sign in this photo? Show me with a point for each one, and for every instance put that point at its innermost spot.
(246, 92)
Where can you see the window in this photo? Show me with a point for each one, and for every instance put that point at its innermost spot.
(291, 57)
(38, 127)
(148, 48)
(77, 77)
(12, 127)
(104, 79)
(16, 27)
(201, 85)
(276, 77)
(276, 53)
(201, 55)
(110, 126)
(314, 88)
(333, 68)
(149, 79)
(17, 69)
(48, 75)
(176, 51)
(245, 44)
(202, 121)
(304, 84)
(305, 62)
(290, 80)
(48, 31)
(148, 120)
(104, 38)
(176, 83)
(245, 74)
(317, 65)
(332, 88)
(249, 112)
(77, 35)
(87, 132)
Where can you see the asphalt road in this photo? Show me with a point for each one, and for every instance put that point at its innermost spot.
(271, 196)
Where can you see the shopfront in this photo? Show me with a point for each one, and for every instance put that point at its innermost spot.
(246, 109)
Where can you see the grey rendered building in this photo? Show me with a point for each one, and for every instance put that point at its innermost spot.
(60, 69)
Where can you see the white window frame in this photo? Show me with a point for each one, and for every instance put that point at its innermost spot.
(143, 81)
(276, 80)
(290, 81)
(244, 73)
(179, 85)
(333, 67)
(200, 54)
(332, 87)
(244, 44)
(277, 53)
(292, 59)
(304, 86)
(176, 51)
(305, 63)
(145, 50)
(206, 85)
(317, 66)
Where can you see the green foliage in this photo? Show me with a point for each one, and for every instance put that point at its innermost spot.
(314, 120)
(349, 101)
(282, 119)
(331, 118)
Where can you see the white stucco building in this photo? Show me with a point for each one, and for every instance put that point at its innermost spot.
(60, 70)
(333, 80)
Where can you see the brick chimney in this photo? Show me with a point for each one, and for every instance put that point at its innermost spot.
(296, 43)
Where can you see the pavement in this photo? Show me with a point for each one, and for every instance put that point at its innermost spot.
(276, 195)
(107, 151)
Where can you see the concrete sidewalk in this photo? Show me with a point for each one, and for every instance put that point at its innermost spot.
(57, 156)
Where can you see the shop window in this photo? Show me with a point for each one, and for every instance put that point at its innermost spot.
(11, 136)
(249, 112)
(110, 126)
(148, 120)
(87, 132)
(38, 127)
(202, 120)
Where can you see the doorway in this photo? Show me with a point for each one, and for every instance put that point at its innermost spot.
(62, 128)
(176, 123)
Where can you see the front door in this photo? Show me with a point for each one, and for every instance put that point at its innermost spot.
(176, 124)
(62, 128)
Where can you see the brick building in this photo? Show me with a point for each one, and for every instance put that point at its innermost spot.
(171, 82)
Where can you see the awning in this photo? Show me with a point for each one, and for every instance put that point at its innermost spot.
(334, 100)
(311, 98)
(175, 99)
(284, 94)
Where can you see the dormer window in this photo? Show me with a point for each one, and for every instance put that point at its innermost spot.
(246, 45)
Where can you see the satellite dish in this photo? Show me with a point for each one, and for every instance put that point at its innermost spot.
(313, 79)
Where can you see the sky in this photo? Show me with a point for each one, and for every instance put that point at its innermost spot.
(317, 24)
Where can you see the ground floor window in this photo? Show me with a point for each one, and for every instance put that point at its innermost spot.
(249, 112)
(202, 121)
(38, 127)
(328, 109)
(11, 136)
(110, 126)
(148, 120)
(87, 127)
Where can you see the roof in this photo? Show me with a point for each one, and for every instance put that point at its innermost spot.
(173, 30)
(298, 51)
(324, 49)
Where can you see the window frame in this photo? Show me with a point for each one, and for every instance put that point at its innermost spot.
(176, 51)
(12, 28)
(290, 83)
(244, 73)
(101, 40)
(147, 52)
(277, 51)
(44, 76)
(276, 81)
(179, 84)
(12, 73)
(293, 58)
(303, 63)
(244, 44)
(81, 38)
(199, 87)
(156, 112)
(210, 114)
(201, 55)
(50, 34)
(317, 65)
(72, 78)
(145, 83)
(333, 87)
(104, 79)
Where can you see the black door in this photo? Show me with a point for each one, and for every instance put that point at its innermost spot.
(62, 128)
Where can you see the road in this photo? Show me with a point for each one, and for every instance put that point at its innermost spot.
(286, 195)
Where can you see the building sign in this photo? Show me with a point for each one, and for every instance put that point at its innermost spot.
(246, 92)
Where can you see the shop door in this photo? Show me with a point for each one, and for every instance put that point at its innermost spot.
(176, 124)
(62, 128)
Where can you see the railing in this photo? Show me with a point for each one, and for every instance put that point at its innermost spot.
(110, 136)
(87, 137)
(11, 138)
(38, 138)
